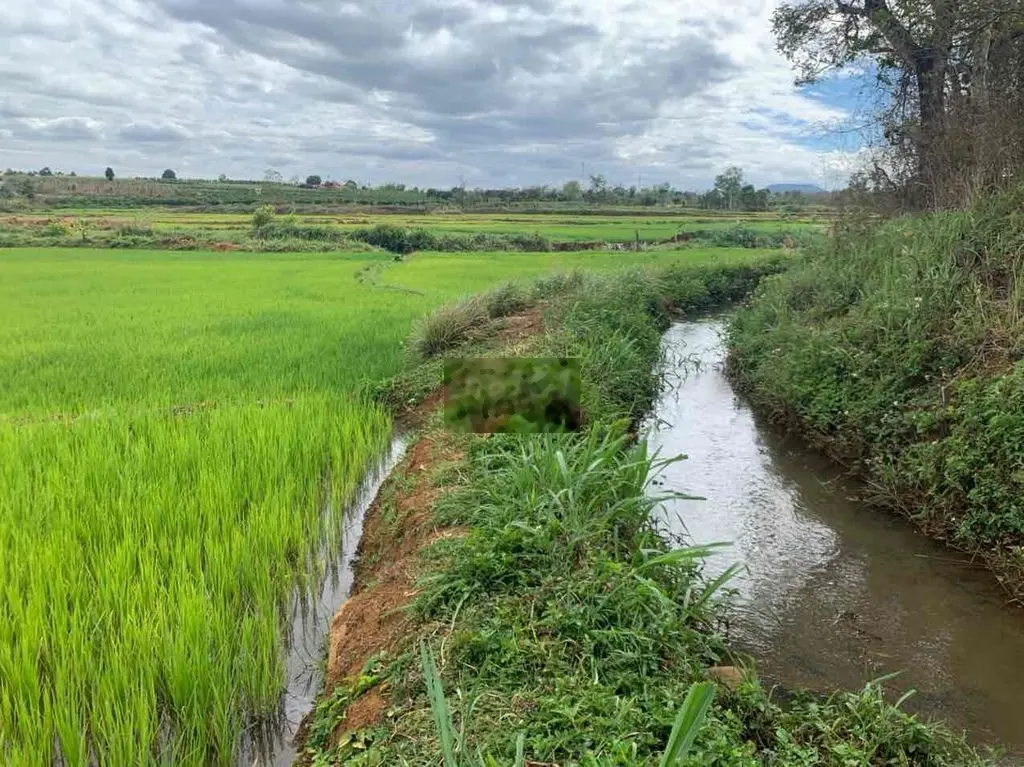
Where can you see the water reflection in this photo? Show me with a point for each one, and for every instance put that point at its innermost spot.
(273, 744)
(834, 594)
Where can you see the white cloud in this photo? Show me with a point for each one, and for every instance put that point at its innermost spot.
(426, 91)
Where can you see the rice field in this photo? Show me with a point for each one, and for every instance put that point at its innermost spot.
(178, 435)
(557, 227)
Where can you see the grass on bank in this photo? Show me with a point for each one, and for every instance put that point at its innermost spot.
(900, 348)
(568, 629)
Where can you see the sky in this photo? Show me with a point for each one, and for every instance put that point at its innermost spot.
(424, 92)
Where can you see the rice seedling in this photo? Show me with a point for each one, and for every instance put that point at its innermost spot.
(146, 562)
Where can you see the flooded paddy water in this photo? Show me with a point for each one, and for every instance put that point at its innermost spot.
(273, 745)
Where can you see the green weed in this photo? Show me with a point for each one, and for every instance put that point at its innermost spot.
(450, 326)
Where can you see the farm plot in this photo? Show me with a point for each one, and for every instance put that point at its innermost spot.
(178, 432)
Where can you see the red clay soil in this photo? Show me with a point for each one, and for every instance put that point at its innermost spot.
(398, 524)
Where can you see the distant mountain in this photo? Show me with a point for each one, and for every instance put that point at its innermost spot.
(805, 188)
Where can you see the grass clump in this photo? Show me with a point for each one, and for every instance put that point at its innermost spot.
(450, 326)
(899, 348)
(507, 299)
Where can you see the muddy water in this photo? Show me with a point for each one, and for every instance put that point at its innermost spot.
(834, 594)
(273, 745)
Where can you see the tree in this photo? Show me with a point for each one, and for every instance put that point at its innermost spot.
(222, 177)
(45, 172)
(262, 220)
(948, 68)
(598, 188)
(109, 173)
(729, 185)
(169, 175)
(313, 180)
(271, 176)
(572, 190)
(27, 189)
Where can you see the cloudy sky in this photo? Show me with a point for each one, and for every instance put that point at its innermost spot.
(429, 92)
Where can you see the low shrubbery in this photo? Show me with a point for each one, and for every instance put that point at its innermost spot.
(398, 240)
(741, 236)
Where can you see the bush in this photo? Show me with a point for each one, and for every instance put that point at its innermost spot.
(404, 241)
(449, 326)
(389, 237)
(55, 229)
(262, 220)
(508, 298)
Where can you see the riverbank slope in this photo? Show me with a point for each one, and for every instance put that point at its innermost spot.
(565, 628)
(898, 349)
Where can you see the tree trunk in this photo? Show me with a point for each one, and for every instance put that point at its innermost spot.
(930, 73)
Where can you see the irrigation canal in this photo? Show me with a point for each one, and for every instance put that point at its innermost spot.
(832, 594)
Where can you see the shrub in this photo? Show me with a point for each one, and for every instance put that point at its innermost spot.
(508, 298)
(449, 326)
(386, 236)
(262, 220)
(55, 229)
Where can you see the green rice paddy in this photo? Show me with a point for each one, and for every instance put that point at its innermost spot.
(556, 227)
(178, 434)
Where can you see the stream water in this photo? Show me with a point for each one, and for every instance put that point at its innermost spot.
(274, 745)
(833, 594)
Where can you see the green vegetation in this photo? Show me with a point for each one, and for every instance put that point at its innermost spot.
(172, 427)
(899, 348)
(567, 628)
(512, 395)
(266, 229)
(147, 561)
(57, 190)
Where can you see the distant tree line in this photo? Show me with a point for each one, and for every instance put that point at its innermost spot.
(730, 192)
